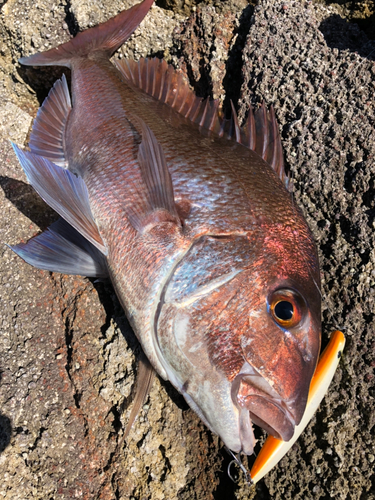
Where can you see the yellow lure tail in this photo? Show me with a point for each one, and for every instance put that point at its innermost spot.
(274, 449)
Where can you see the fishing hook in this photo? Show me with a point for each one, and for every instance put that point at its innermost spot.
(236, 460)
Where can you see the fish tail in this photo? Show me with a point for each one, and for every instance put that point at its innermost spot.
(105, 38)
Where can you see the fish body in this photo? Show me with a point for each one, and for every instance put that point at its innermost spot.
(211, 259)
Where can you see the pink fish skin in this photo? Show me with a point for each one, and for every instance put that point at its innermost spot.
(211, 259)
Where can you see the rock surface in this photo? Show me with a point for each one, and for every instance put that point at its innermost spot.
(68, 356)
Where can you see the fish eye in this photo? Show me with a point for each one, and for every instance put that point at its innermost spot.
(284, 310)
(286, 307)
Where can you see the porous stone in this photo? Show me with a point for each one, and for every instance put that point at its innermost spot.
(68, 356)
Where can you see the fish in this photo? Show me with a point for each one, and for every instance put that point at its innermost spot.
(190, 217)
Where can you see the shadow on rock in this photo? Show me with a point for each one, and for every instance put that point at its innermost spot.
(5, 432)
(42, 78)
(342, 34)
(27, 201)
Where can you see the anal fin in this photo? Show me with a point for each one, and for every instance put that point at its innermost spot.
(62, 249)
(62, 191)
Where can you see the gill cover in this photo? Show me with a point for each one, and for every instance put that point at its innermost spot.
(189, 304)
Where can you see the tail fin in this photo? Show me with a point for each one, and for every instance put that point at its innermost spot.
(105, 38)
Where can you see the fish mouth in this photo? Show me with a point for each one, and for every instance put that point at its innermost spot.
(259, 403)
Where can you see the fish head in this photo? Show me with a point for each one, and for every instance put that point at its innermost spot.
(281, 347)
(239, 333)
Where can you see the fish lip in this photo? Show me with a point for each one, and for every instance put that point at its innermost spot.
(255, 397)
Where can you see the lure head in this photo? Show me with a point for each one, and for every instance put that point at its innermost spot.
(239, 334)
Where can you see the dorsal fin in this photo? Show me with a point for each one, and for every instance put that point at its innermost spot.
(47, 135)
(169, 86)
(261, 134)
(160, 80)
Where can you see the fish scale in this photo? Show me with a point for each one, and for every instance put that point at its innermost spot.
(198, 234)
(197, 173)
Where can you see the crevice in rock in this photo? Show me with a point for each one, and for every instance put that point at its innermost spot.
(167, 467)
(115, 487)
(68, 314)
(70, 19)
(233, 79)
(37, 439)
(117, 425)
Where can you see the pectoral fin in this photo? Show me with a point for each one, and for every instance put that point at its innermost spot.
(274, 449)
(155, 202)
(62, 249)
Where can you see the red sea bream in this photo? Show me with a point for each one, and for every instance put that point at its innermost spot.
(188, 215)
